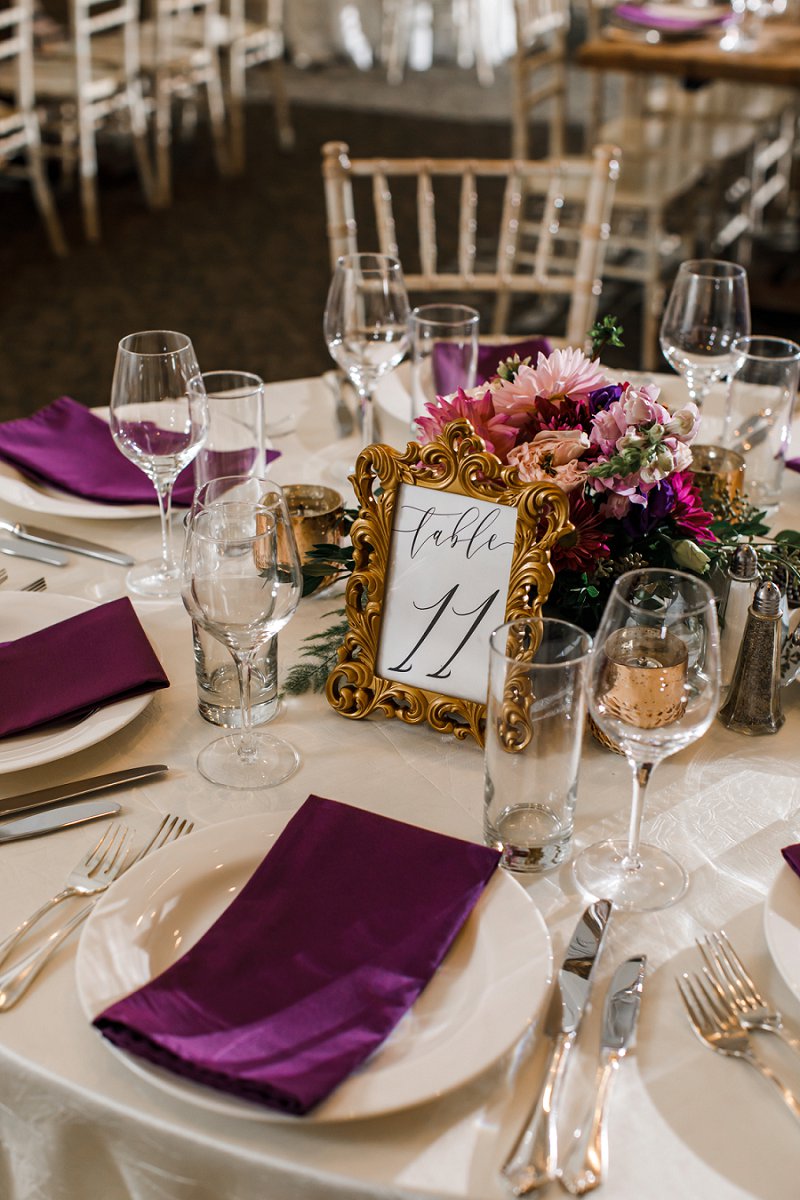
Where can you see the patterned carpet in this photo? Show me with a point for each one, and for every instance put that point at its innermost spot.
(240, 265)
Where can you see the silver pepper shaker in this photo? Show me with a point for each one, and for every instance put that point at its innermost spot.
(754, 701)
(742, 582)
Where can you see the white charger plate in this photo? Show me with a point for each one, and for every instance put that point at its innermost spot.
(782, 926)
(481, 1000)
(22, 613)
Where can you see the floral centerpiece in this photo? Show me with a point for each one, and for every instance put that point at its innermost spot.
(623, 458)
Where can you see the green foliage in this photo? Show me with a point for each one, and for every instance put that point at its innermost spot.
(605, 332)
(320, 649)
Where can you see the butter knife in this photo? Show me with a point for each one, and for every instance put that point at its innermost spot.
(533, 1161)
(30, 801)
(63, 541)
(586, 1166)
(38, 553)
(56, 818)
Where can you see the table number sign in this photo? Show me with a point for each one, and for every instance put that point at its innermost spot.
(448, 545)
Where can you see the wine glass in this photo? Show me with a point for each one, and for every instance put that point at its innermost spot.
(159, 419)
(366, 324)
(653, 689)
(707, 309)
(241, 583)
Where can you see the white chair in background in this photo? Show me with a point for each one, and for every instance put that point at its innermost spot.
(560, 256)
(79, 94)
(20, 138)
(398, 21)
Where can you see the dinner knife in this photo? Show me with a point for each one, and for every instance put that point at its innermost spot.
(39, 553)
(63, 541)
(61, 792)
(56, 818)
(585, 1168)
(533, 1161)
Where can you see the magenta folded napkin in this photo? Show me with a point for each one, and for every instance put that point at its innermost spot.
(94, 658)
(67, 446)
(642, 15)
(314, 962)
(447, 361)
(792, 856)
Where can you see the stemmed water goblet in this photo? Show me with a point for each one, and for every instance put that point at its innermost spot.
(159, 419)
(653, 690)
(366, 324)
(708, 308)
(241, 583)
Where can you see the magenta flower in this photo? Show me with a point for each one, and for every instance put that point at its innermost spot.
(476, 406)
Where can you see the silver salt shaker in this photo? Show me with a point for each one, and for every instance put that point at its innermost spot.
(753, 705)
(742, 581)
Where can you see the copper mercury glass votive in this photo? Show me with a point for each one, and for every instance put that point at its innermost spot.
(645, 677)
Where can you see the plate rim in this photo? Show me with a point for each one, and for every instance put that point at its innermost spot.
(770, 915)
(329, 1111)
(108, 720)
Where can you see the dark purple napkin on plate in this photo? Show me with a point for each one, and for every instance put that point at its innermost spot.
(792, 856)
(94, 658)
(314, 962)
(67, 446)
(642, 15)
(446, 360)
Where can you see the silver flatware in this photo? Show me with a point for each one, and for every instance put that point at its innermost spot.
(15, 982)
(98, 868)
(36, 585)
(3, 574)
(586, 1166)
(78, 787)
(720, 1030)
(28, 550)
(533, 1161)
(734, 985)
(334, 382)
(52, 819)
(62, 541)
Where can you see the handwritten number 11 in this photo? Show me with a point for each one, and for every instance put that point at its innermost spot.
(440, 607)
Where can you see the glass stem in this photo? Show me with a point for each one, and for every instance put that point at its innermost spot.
(246, 744)
(164, 492)
(641, 778)
(367, 415)
(698, 389)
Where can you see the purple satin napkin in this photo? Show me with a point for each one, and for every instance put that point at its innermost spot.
(67, 446)
(88, 660)
(315, 961)
(447, 361)
(792, 463)
(792, 856)
(642, 15)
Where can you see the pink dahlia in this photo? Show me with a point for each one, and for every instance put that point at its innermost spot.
(687, 512)
(562, 375)
(476, 406)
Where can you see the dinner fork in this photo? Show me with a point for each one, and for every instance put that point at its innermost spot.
(94, 872)
(17, 979)
(3, 574)
(717, 1027)
(733, 984)
(36, 585)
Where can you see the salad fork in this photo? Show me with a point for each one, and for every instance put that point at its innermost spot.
(17, 979)
(3, 574)
(718, 1028)
(733, 984)
(36, 585)
(95, 871)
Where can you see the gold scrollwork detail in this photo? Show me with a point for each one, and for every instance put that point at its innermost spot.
(456, 462)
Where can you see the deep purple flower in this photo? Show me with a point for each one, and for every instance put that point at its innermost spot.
(602, 397)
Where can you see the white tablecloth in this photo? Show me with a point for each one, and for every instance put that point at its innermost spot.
(76, 1124)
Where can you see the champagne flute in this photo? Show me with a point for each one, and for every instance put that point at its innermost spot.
(366, 324)
(241, 583)
(159, 419)
(653, 689)
(707, 309)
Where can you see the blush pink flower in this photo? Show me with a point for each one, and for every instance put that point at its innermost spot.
(476, 405)
(552, 457)
(564, 374)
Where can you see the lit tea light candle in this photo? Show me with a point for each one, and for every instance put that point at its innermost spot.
(316, 514)
(645, 675)
(718, 472)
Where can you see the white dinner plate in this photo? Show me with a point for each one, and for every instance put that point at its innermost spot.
(782, 926)
(22, 613)
(480, 1001)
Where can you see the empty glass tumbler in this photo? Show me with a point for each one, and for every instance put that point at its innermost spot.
(535, 714)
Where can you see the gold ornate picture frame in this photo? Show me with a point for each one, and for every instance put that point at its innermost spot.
(448, 544)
